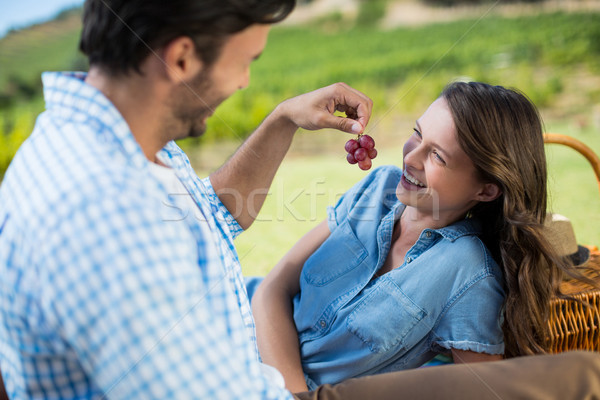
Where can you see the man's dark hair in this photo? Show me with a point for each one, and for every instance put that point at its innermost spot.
(118, 35)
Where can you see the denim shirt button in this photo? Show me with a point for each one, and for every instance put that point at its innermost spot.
(428, 234)
(408, 260)
(322, 323)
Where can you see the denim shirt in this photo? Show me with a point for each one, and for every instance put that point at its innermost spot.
(447, 294)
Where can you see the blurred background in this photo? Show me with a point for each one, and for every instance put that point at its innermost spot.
(399, 52)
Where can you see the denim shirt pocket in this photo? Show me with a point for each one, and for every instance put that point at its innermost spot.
(385, 318)
(340, 253)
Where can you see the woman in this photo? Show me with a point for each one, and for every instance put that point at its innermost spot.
(443, 256)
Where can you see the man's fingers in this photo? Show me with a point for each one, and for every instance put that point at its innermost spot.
(315, 110)
(364, 114)
(349, 111)
(341, 123)
(360, 113)
(353, 102)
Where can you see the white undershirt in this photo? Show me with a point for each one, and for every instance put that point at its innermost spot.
(179, 204)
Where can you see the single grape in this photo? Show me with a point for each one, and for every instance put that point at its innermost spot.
(350, 158)
(372, 153)
(365, 164)
(351, 146)
(360, 154)
(366, 141)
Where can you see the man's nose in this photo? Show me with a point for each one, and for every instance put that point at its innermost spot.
(245, 81)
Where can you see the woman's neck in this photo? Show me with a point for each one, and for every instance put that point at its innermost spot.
(415, 221)
(406, 232)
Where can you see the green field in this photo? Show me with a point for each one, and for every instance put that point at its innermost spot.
(553, 58)
(407, 67)
(306, 184)
(401, 69)
(25, 54)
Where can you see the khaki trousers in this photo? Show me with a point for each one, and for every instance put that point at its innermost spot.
(565, 376)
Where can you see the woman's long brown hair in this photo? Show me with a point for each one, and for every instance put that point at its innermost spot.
(501, 131)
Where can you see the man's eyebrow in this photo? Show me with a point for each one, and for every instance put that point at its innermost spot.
(437, 146)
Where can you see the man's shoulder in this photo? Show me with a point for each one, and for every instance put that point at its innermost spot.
(53, 176)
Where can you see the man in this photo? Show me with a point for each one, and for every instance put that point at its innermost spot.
(103, 293)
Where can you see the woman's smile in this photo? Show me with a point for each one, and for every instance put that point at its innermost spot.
(410, 182)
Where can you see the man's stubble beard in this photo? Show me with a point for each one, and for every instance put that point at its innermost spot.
(191, 103)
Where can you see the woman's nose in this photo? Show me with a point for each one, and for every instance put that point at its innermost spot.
(413, 154)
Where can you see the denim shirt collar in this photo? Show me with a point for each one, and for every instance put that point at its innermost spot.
(460, 228)
(464, 227)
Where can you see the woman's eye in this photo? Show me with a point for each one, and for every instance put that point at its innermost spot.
(417, 133)
(438, 157)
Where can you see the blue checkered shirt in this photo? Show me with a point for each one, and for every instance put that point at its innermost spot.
(100, 295)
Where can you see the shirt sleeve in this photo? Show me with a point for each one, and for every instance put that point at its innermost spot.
(142, 310)
(473, 320)
(180, 161)
(219, 209)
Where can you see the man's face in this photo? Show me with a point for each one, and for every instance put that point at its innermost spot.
(194, 101)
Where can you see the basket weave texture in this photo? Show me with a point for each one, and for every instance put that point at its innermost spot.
(575, 325)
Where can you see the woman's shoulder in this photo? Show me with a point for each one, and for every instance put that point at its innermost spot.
(463, 242)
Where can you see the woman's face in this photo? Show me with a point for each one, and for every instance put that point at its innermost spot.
(439, 178)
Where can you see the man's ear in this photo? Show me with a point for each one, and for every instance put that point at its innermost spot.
(180, 60)
(489, 192)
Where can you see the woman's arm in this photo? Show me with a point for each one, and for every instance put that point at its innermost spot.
(273, 313)
(465, 356)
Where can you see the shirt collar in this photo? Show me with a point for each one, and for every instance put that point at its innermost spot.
(465, 227)
(68, 94)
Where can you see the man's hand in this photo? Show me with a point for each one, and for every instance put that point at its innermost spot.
(250, 171)
(315, 110)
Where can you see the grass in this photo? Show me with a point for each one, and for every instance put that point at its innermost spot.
(316, 174)
(19, 122)
(573, 191)
(535, 53)
(404, 67)
(25, 54)
(553, 58)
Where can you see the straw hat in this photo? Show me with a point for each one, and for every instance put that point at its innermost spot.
(559, 232)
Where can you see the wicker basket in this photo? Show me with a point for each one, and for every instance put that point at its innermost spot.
(573, 325)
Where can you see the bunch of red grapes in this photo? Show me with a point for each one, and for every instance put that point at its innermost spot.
(361, 150)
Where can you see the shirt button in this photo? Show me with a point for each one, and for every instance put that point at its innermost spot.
(408, 260)
(428, 234)
(323, 323)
